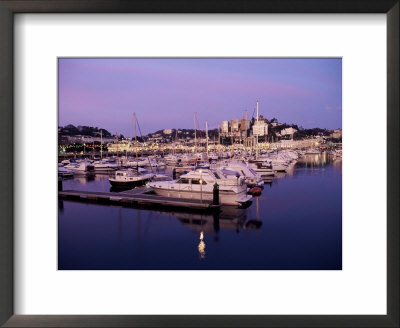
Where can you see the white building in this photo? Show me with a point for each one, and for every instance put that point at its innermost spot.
(337, 134)
(225, 127)
(260, 128)
(234, 125)
(167, 131)
(87, 139)
(288, 131)
(120, 147)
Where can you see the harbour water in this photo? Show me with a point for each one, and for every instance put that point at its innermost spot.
(296, 224)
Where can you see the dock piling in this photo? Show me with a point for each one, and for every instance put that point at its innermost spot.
(216, 194)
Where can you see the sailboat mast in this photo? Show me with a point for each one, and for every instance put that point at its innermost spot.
(219, 136)
(207, 137)
(245, 144)
(176, 139)
(214, 143)
(116, 136)
(257, 135)
(101, 144)
(195, 138)
(134, 122)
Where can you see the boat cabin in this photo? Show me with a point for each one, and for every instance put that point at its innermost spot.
(191, 181)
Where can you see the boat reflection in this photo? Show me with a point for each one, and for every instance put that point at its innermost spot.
(319, 160)
(228, 218)
(202, 246)
(61, 205)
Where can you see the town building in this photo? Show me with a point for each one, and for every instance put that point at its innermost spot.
(336, 134)
(288, 131)
(234, 125)
(120, 147)
(260, 128)
(225, 127)
(79, 139)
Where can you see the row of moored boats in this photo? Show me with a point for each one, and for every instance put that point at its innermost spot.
(233, 177)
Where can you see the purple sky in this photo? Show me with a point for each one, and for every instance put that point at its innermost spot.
(165, 93)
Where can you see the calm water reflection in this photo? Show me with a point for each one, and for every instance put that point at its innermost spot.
(295, 224)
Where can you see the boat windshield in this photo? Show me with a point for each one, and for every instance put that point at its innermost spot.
(230, 172)
(197, 181)
(252, 171)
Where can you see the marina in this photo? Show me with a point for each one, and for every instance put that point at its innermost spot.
(296, 219)
(186, 166)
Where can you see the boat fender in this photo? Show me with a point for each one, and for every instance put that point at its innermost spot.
(255, 191)
(253, 224)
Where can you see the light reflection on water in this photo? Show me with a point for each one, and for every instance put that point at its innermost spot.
(294, 224)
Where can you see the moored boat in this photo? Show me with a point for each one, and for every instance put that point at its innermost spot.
(105, 165)
(64, 172)
(199, 184)
(129, 178)
(80, 168)
(251, 177)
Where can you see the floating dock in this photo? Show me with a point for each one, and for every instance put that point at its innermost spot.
(136, 196)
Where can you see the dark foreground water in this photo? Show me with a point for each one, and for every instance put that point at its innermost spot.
(296, 224)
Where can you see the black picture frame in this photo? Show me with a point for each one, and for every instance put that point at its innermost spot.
(10, 7)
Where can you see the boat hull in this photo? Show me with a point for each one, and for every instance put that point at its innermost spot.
(225, 198)
(65, 174)
(127, 184)
(265, 172)
(278, 168)
(104, 169)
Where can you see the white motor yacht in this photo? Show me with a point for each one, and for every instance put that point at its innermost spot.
(135, 163)
(278, 166)
(80, 168)
(65, 162)
(105, 165)
(199, 184)
(64, 172)
(251, 177)
(263, 169)
(152, 162)
(171, 160)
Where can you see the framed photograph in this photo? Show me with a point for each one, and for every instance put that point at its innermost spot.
(202, 164)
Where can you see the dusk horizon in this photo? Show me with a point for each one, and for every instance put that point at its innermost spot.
(164, 93)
